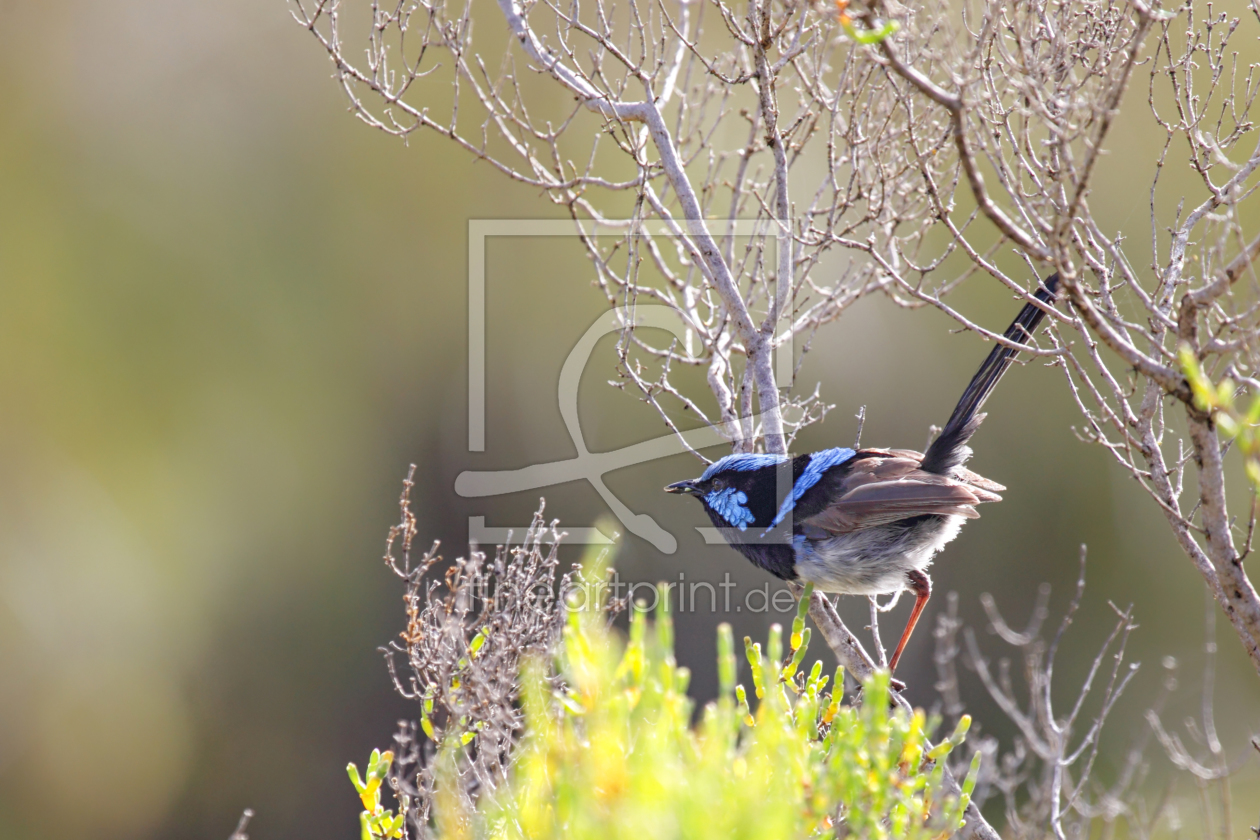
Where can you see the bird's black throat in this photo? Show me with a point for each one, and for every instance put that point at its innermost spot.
(773, 553)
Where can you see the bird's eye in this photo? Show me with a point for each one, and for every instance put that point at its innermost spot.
(718, 484)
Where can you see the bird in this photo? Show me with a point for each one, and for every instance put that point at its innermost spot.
(863, 521)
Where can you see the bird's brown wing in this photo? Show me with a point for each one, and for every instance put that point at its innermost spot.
(888, 485)
(962, 474)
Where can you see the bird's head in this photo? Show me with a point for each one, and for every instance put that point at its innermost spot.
(737, 491)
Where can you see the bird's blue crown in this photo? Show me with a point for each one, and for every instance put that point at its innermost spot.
(741, 462)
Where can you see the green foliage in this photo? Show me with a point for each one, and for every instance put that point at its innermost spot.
(881, 30)
(869, 36)
(609, 750)
(375, 821)
(1242, 425)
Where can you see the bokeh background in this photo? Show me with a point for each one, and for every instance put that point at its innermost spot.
(232, 316)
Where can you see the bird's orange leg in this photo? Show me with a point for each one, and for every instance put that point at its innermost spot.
(921, 584)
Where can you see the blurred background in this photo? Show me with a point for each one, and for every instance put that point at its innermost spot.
(233, 315)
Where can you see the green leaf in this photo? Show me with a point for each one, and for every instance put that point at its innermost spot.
(871, 36)
(726, 659)
(1225, 394)
(378, 767)
(478, 641)
(798, 657)
(753, 653)
(973, 773)
(741, 697)
(802, 610)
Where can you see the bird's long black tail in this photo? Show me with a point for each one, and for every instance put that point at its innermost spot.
(950, 447)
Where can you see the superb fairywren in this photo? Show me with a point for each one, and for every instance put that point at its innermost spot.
(864, 522)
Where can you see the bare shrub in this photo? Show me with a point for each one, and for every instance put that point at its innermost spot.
(467, 633)
(1047, 779)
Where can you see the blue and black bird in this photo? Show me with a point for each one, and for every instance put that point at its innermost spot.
(864, 522)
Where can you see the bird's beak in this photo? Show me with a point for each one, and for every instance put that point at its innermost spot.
(684, 487)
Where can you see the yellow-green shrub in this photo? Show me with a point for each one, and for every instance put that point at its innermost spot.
(609, 750)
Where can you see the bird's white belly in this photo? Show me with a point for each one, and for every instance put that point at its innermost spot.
(873, 561)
